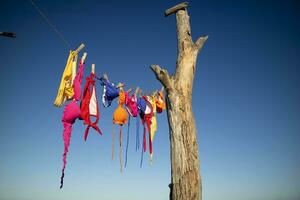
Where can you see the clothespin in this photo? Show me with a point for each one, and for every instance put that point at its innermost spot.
(83, 57)
(93, 68)
(120, 86)
(79, 48)
(74, 61)
(136, 91)
(154, 93)
(140, 92)
(105, 77)
(162, 89)
(128, 91)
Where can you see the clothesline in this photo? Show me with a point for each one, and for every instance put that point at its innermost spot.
(47, 20)
(143, 108)
(136, 105)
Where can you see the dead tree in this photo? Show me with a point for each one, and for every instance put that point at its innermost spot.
(185, 171)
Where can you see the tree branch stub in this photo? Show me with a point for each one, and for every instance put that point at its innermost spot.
(163, 76)
(200, 42)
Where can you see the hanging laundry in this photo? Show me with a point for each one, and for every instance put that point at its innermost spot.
(141, 105)
(89, 106)
(153, 127)
(70, 114)
(147, 119)
(120, 114)
(146, 113)
(130, 104)
(160, 102)
(78, 80)
(139, 108)
(120, 118)
(65, 90)
(110, 91)
(131, 107)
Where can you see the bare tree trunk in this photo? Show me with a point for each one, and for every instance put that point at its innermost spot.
(185, 173)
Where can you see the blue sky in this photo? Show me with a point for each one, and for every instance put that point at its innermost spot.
(245, 98)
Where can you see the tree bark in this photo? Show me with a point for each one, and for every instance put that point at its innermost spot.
(185, 171)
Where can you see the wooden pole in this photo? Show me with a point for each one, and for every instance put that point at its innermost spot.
(176, 8)
(185, 165)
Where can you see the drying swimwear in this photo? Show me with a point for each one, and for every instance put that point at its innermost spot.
(66, 91)
(89, 106)
(70, 114)
(160, 102)
(110, 92)
(120, 117)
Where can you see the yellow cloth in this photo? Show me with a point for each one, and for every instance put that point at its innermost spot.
(65, 91)
(153, 126)
(160, 102)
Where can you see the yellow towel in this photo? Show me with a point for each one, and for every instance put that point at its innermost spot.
(153, 126)
(65, 91)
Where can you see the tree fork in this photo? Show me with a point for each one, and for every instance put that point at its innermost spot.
(185, 171)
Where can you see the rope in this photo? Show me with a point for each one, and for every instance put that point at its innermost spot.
(46, 19)
(121, 149)
(113, 142)
(144, 148)
(142, 156)
(127, 142)
(137, 143)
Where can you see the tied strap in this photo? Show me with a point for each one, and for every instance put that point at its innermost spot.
(137, 143)
(127, 142)
(144, 148)
(121, 149)
(94, 126)
(89, 106)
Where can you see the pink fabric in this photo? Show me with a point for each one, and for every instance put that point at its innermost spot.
(77, 82)
(66, 137)
(146, 121)
(71, 113)
(130, 104)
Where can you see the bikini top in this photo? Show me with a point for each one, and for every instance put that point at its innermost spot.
(141, 105)
(110, 92)
(120, 114)
(72, 110)
(89, 105)
(131, 105)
